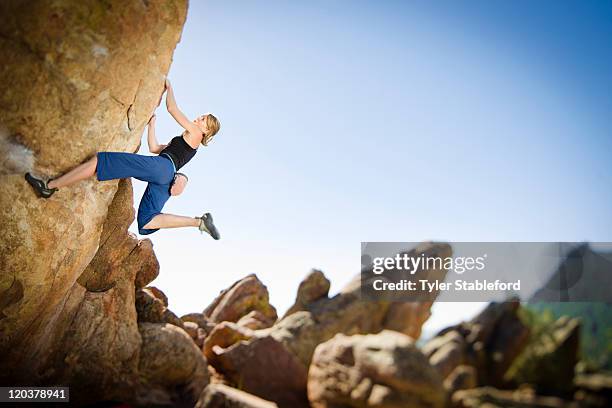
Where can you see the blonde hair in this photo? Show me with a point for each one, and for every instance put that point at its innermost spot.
(213, 125)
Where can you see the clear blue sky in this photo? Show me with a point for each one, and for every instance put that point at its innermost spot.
(352, 121)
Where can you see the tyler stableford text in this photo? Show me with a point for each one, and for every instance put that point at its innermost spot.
(459, 265)
(458, 285)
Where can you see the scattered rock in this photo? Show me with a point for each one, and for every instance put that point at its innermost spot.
(381, 370)
(314, 287)
(222, 396)
(222, 336)
(548, 363)
(192, 329)
(302, 331)
(201, 336)
(199, 319)
(264, 367)
(255, 320)
(158, 294)
(169, 357)
(239, 299)
(489, 342)
(594, 390)
(463, 377)
(151, 309)
(493, 398)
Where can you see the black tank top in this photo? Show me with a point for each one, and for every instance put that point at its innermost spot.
(179, 151)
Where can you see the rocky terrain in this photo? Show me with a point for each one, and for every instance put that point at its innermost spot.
(76, 308)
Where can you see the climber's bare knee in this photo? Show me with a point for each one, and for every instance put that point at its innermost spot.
(93, 164)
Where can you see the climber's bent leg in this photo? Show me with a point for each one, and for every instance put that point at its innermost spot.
(118, 165)
(151, 204)
(171, 221)
(81, 172)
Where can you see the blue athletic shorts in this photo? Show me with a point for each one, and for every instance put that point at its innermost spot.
(157, 171)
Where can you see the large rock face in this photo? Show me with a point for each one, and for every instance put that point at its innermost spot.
(78, 77)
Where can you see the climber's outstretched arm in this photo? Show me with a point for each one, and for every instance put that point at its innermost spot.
(176, 113)
(154, 146)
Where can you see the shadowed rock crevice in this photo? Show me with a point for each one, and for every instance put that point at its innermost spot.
(10, 296)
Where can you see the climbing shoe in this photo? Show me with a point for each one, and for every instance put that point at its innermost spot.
(207, 225)
(40, 186)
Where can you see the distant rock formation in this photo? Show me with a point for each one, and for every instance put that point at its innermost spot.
(489, 342)
(583, 276)
(241, 355)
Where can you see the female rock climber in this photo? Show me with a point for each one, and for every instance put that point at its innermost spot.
(160, 172)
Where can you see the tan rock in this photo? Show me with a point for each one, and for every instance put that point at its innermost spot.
(169, 357)
(264, 367)
(151, 309)
(255, 320)
(199, 319)
(490, 342)
(448, 357)
(222, 396)
(381, 370)
(242, 297)
(201, 336)
(490, 397)
(192, 329)
(222, 336)
(158, 294)
(463, 377)
(314, 287)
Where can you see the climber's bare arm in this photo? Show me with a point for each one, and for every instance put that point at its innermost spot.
(195, 135)
(154, 146)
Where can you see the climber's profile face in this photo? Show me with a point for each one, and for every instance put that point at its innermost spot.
(179, 184)
(201, 122)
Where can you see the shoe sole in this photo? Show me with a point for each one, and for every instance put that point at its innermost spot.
(34, 182)
(210, 226)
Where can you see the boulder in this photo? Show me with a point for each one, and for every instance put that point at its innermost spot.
(169, 358)
(594, 389)
(158, 294)
(151, 309)
(490, 397)
(375, 370)
(255, 320)
(463, 377)
(548, 363)
(490, 342)
(222, 336)
(192, 329)
(78, 77)
(202, 321)
(243, 296)
(222, 396)
(314, 287)
(200, 337)
(264, 367)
